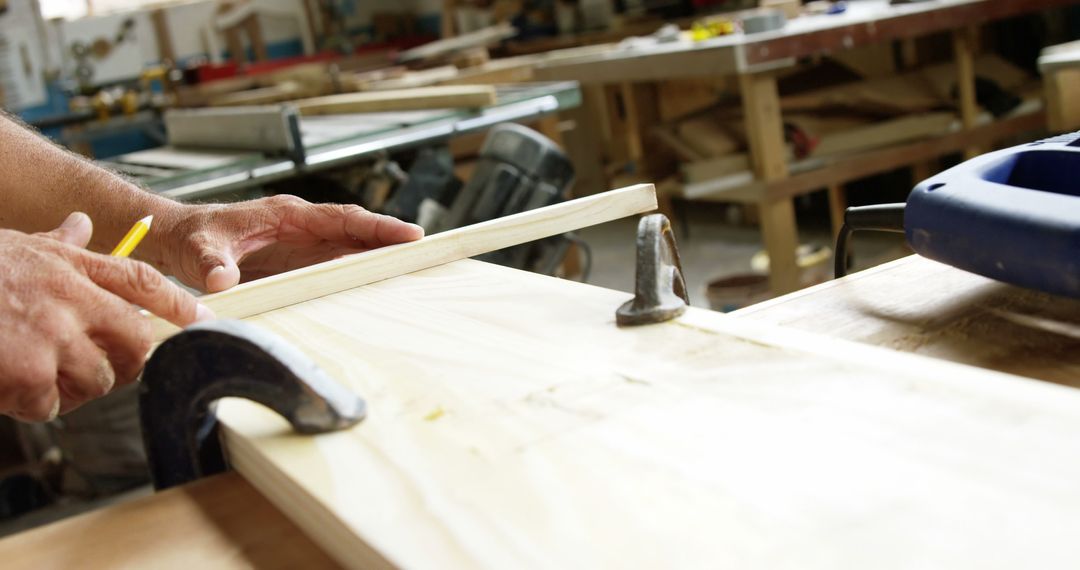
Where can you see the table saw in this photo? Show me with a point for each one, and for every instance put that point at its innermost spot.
(187, 170)
(510, 422)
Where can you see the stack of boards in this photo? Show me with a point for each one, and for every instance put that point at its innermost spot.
(512, 424)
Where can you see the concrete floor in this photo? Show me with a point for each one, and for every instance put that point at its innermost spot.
(715, 249)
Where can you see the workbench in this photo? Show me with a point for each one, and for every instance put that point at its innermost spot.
(756, 59)
(332, 141)
(911, 305)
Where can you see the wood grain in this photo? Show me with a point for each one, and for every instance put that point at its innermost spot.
(513, 425)
(221, 523)
(924, 307)
(330, 277)
(443, 97)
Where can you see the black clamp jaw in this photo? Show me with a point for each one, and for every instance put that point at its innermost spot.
(222, 359)
(659, 288)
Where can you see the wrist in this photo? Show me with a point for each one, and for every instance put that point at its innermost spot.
(166, 231)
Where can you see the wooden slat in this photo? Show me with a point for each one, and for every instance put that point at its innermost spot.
(330, 277)
(925, 307)
(444, 97)
(220, 523)
(513, 425)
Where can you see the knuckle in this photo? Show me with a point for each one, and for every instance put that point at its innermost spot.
(32, 379)
(143, 278)
(286, 200)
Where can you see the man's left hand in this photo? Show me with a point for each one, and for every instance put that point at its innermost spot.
(214, 247)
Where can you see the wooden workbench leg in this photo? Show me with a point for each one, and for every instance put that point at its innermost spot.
(583, 145)
(781, 237)
(1062, 108)
(550, 127)
(765, 133)
(642, 116)
(837, 205)
(964, 45)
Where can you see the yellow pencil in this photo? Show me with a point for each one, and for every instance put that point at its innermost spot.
(133, 237)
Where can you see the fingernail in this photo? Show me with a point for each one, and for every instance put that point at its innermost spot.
(203, 313)
(55, 410)
(217, 269)
(73, 221)
(105, 376)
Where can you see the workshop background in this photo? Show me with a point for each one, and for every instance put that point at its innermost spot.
(610, 92)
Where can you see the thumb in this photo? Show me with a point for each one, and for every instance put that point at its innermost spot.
(220, 271)
(76, 230)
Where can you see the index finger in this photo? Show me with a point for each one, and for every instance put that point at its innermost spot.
(347, 224)
(141, 284)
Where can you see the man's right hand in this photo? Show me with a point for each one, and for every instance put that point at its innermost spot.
(69, 328)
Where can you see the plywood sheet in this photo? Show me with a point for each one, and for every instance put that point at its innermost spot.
(513, 425)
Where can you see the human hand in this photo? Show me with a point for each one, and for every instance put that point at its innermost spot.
(69, 329)
(214, 247)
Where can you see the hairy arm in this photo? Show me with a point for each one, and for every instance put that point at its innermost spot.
(43, 183)
(210, 247)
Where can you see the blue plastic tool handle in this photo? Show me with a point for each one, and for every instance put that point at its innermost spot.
(1011, 215)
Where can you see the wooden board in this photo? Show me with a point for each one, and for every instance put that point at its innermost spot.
(444, 97)
(921, 306)
(330, 277)
(513, 425)
(220, 523)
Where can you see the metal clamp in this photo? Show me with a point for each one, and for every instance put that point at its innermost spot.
(659, 290)
(222, 359)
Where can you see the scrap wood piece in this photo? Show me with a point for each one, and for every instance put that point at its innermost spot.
(480, 38)
(446, 97)
(323, 279)
(262, 96)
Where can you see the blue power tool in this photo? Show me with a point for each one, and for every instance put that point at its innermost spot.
(1011, 215)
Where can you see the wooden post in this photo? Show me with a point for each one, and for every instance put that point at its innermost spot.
(765, 133)
(1062, 108)
(549, 127)
(837, 205)
(255, 36)
(642, 115)
(584, 146)
(160, 19)
(964, 41)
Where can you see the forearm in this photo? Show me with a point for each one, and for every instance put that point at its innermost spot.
(43, 183)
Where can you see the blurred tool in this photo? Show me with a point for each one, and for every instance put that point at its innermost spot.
(711, 27)
(1011, 215)
(761, 21)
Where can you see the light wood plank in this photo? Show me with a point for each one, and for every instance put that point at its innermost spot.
(220, 523)
(330, 277)
(513, 425)
(928, 308)
(444, 97)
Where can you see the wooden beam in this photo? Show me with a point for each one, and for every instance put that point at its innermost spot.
(323, 279)
(445, 97)
(964, 41)
(1062, 108)
(160, 20)
(768, 155)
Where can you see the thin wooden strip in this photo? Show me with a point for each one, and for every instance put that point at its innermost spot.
(446, 97)
(323, 279)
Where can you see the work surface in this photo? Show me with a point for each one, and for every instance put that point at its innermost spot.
(924, 307)
(514, 425)
(865, 21)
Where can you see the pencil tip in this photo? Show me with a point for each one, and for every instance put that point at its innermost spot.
(148, 220)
